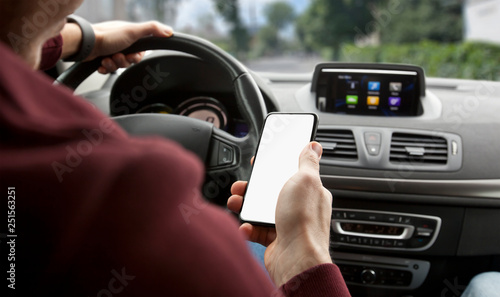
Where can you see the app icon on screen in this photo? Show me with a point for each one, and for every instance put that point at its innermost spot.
(373, 100)
(395, 101)
(395, 87)
(352, 99)
(352, 85)
(373, 86)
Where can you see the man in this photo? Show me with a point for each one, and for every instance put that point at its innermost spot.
(97, 213)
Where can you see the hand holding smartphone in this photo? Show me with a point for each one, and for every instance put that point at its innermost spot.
(284, 136)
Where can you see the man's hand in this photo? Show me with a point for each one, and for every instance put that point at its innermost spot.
(302, 236)
(111, 38)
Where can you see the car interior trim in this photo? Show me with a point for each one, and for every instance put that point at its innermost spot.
(454, 188)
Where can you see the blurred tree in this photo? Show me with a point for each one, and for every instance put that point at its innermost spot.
(267, 42)
(279, 14)
(230, 11)
(165, 10)
(329, 24)
(436, 20)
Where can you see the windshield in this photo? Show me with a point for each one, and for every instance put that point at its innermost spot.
(448, 38)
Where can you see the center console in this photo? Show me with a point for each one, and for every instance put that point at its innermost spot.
(381, 230)
(384, 230)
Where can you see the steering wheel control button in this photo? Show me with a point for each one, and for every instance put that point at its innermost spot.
(221, 155)
(226, 154)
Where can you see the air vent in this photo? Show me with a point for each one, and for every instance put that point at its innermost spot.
(337, 144)
(418, 149)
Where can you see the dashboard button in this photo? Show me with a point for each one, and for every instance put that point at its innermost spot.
(373, 142)
(366, 241)
(388, 243)
(337, 215)
(368, 276)
(373, 149)
(374, 217)
(406, 220)
(391, 218)
(424, 232)
(373, 138)
(400, 243)
(352, 215)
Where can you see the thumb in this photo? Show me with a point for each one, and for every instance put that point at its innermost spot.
(310, 156)
(153, 28)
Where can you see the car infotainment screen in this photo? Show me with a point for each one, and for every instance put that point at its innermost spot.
(372, 92)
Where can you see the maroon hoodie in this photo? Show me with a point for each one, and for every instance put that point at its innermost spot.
(100, 213)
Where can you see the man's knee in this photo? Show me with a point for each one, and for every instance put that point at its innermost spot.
(484, 284)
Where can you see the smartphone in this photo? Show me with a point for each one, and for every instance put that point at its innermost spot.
(283, 138)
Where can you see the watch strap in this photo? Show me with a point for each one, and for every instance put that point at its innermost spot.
(88, 39)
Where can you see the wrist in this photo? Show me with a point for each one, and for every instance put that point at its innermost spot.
(297, 257)
(72, 40)
(79, 39)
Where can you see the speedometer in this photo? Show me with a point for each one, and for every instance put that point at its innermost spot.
(156, 108)
(206, 109)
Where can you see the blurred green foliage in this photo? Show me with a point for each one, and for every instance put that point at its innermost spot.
(470, 60)
(428, 33)
(328, 23)
(279, 14)
(240, 38)
(417, 20)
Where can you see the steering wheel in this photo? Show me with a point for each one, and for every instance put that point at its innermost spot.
(226, 157)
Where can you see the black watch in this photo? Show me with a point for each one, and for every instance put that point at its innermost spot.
(88, 39)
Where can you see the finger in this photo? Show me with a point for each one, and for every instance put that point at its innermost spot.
(253, 159)
(239, 188)
(258, 234)
(120, 60)
(234, 203)
(102, 70)
(310, 156)
(155, 29)
(135, 58)
(109, 65)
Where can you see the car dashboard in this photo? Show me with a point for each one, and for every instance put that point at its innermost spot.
(406, 221)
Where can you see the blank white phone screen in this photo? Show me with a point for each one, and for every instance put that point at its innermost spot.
(283, 138)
